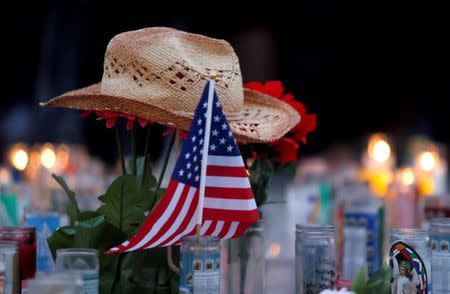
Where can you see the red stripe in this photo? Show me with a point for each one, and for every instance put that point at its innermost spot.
(153, 217)
(224, 231)
(226, 171)
(229, 193)
(231, 215)
(241, 229)
(166, 226)
(211, 229)
(186, 220)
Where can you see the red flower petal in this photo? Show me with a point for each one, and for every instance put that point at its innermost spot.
(142, 122)
(286, 149)
(111, 122)
(169, 131)
(257, 86)
(307, 125)
(274, 89)
(288, 97)
(130, 123)
(86, 113)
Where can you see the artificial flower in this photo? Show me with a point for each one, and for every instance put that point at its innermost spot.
(308, 122)
(182, 134)
(111, 118)
(286, 149)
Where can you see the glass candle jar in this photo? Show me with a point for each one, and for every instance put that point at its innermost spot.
(83, 261)
(410, 260)
(9, 268)
(26, 238)
(200, 265)
(440, 254)
(315, 258)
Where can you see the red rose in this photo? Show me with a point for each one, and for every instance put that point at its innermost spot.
(286, 149)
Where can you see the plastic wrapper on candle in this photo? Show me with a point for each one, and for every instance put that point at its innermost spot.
(9, 268)
(315, 258)
(440, 254)
(410, 260)
(200, 265)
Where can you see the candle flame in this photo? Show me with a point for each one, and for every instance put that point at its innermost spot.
(19, 157)
(48, 157)
(427, 160)
(379, 149)
(407, 176)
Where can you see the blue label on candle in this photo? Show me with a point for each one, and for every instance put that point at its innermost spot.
(200, 273)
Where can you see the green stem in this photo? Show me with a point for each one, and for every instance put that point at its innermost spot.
(120, 149)
(164, 165)
(133, 150)
(116, 282)
(146, 155)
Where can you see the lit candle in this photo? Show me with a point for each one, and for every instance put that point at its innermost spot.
(378, 162)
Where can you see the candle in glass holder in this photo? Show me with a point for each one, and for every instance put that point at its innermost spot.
(377, 163)
(26, 239)
(200, 265)
(9, 268)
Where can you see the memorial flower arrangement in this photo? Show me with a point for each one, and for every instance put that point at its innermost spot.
(139, 87)
(263, 160)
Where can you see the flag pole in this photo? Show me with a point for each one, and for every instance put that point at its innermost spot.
(212, 76)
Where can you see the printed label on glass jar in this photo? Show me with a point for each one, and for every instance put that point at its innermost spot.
(90, 283)
(408, 270)
(200, 274)
(440, 263)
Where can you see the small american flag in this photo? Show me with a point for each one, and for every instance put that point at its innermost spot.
(228, 208)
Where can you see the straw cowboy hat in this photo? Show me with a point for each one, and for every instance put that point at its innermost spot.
(159, 74)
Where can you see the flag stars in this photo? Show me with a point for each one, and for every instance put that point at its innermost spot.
(229, 148)
(222, 140)
(201, 141)
(196, 168)
(188, 165)
(189, 175)
(194, 138)
(187, 155)
(215, 132)
(217, 103)
(200, 131)
(224, 126)
(205, 104)
(216, 118)
(195, 158)
(230, 134)
(197, 178)
(213, 147)
(194, 149)
(199, 121)
(181, 172)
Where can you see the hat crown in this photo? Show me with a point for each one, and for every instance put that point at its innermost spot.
(170, 68)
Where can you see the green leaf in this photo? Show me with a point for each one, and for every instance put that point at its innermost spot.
(291, 167)
(72, 209)
(360, 280)
(149, 179)
(97, 233)
(123, 204)
(62, 238)
(85, 215)
(380, 282)
(147, 271)
(261, 172)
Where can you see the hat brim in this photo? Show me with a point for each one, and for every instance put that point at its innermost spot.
(265, 119)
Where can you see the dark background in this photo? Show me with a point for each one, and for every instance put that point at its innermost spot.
(362, 66)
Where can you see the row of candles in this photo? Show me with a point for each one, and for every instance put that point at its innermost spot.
(428, 169)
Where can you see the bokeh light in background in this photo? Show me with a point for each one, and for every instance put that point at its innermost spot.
(427, 160)
(18, 156)
(407, 176)
(48, 157)
(379, 149)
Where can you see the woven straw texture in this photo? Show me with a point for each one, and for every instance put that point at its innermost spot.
(160, 73)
